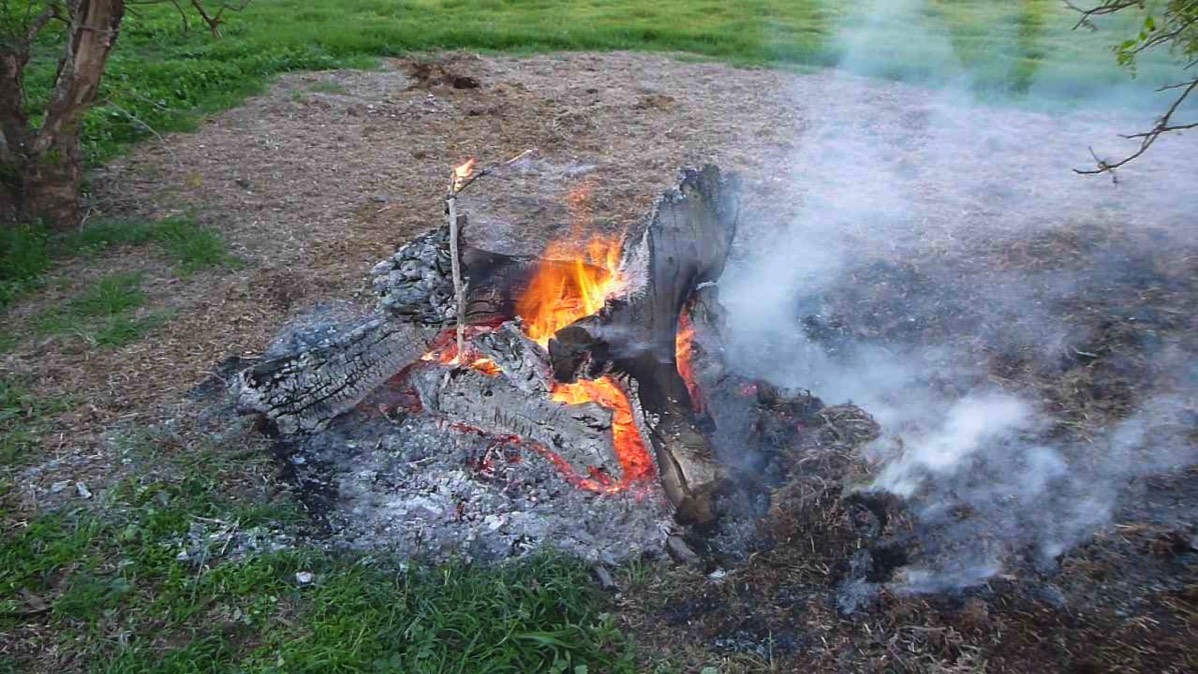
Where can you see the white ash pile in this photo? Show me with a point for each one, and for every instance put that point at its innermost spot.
(422, 489)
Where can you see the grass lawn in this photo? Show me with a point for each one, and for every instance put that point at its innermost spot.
(160, 78)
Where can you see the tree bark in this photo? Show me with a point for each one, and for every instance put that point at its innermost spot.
(14, 124)
(51, 163)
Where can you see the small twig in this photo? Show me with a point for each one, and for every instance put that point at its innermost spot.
(147, 127)
(229, 534)
(455, 259)
(491, 169)
(1177, 22)
(1147, 138)
(457, 184)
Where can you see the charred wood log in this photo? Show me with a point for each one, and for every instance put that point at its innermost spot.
(521, 361)
(301, 392)
(520, 403)
(682, 250)
(580, 434)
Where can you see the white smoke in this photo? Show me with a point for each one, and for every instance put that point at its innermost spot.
(886, 171)
(970, 425)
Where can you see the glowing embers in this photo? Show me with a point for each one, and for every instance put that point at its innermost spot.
(627, 442)
(444, 351)
(629, 460)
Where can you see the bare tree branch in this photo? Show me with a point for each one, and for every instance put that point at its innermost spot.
(214, 20)
(1163, 125)
(1176, 30)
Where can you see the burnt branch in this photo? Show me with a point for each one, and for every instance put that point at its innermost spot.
(473, 176)
(459, 179)
(301, 392)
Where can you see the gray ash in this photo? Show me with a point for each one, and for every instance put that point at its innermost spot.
(423, 489)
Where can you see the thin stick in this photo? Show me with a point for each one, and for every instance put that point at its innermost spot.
(489, 170)
(456, 185)
(459, 288)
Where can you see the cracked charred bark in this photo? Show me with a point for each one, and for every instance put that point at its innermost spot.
(301, 392)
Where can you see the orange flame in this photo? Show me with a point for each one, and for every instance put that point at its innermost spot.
(571, 284)
(578, 277)
(574, 282)
(462, 172)
(684, 352)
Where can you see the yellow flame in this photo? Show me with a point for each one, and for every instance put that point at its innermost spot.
(462, 172)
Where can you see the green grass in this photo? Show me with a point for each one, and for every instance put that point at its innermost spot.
(160, 78)
(105, 234)
(25, 254)
(109, 589)
(102, 313)
(21, 421)
(192, 247)
(120, 330)
(110, 296)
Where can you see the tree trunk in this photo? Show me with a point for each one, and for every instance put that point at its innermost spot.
(684, 247)
(14, 126)
(52, 166)
(52, 181)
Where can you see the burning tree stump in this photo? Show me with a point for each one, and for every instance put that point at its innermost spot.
(684, 248)
(508, 383)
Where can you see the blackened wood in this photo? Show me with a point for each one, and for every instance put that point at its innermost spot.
(683, 247)
(301, 392)
(416, 283)
(580, 434)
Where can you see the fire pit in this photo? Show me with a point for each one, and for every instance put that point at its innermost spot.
(492, 406)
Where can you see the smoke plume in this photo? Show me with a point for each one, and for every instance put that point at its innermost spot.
(944, 268)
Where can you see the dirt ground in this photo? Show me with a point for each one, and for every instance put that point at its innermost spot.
(324, 174)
